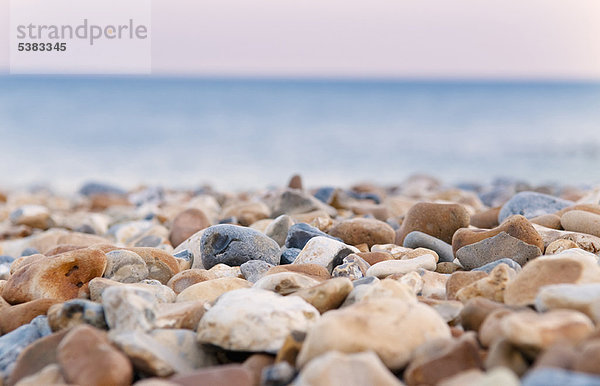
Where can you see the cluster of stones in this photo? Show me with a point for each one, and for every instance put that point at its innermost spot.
(419, 284)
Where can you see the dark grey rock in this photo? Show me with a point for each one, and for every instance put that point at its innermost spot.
(495, 248)
(490, 266)
(295, 202)
(418, 239)
(255, 269)
(85, 228)
(229, 220)
(365, 280)
(289, 255)
(548, 376)
(92, 188)
(29, 251)
(532, 204)
(6, 259)
(279, 374)
(364, 196)
(299, 234)
(278, 229)
(14, 342)
(234, 245)
(325, 194)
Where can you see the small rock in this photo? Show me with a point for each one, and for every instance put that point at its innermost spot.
(314, 271)
(487, 219)
(352, 267)
(363, 230)
(234, 245)
(294, 201)
(162, 293)
(232, 374)
(495, 248)
(285, 283)
(328, 295)
(279, 228)
(487, 268)
(299, 234)
(129, 309)
(289, 255)
(390, 267)
(253, 270)
(49, 375)
(437, 220)
(581, 221)
(491, 287)
(380, 289)
(186, 223)
(580, 297)
(35, 216)
(279, 374)
(254, 320)
(14, 317)
(189, 277)
(373, 325)
(532, 204)
(184, 315)
(461, 279)
(325, 252)
(375, 257)
(125, 266)
(75, 312)
(418, 239)
(295, 182)
(224, 270)
(559, 377)
(338, 369)
(551, 221)
(208, 291)
(13, 343)
(559, 245)
(86, 357)
(161, 265)
(504, 354)
(475, 312)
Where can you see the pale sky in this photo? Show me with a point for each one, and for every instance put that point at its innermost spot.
(549, 39)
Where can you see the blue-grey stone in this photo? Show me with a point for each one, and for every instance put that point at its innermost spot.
(253, 270)
(490, 266)
(289, 255)
(418, 239)
(185, 255)
(299, 234)
(91, 188)
(29, 251)
(151, 241)
(364, 196)
(6, 259)
(393, 223)
(549, 376)
(229, 220)
(85, 228)
(325, 194)
(14, 342)
(279, 374)
(364, 281)
(532, 204)
(234, 245)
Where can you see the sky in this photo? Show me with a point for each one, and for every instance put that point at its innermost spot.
(491, 39)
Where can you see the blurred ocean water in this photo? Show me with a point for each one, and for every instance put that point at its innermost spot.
(236, 133)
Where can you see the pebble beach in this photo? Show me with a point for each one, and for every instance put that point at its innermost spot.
(414, 283)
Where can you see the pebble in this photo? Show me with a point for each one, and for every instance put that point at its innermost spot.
(189, 277)
(491, 287)
(487, 219)
(572, 266)
(279, 228)
(292, 202)
(390, 267)
(339, 369)
(437, 220)
(261, 322)
(532, 204)
(161, 264)
(285, 283)
(14, 317)
(374, 325)
(125, 267)
(581, 221)
(234, 245)
(328, 295)
(129, 309)
(247, 213)
(253, 270)
(13, 343)
(559, 245)
(580, 297)
(185, 315)
(487, 268)
(49, 375)
(352, 267)
(161, 293)
(495, 248)
(461, 279)
(547, 220)
(314, 271)
(299, 234)
(279, 374)
(62, 277)
(379, 289)
(363, 231)
(231, 374)
(559, 377)
(35, 216)
(224, 270)
(516, 226)
(75, 312)
(209, 290)
(324, 251)
(418, 239)
(86, 357)
(186, 223)
(289, 255)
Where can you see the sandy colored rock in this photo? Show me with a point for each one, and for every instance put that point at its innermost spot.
(374, 325)
(125, 266)
(49, 375)
(584, 298)
(285, 283)
(224, 375)
(491, 287)
(75, 312)
(539, 331)
(185, 315)
(162, 293)
(61, 277)
(581, 221)
(589, 243)
(387, 288)
(461, 279)
(189, 277)
(86, 357)
(516, 226)
(559, 245)
(504, 354)
(209, 290)
(13, 317)
(475, 312)
(437, 220)
(487, 219)
(247, 212)
(314, 271)
(390, 267)
(551, 221)
(161, 265)
(572, 266)
(186, 224)
(363, 230)
(338, 369)
(328, 295)
(324, 251)
(488, 331)
(588, 360)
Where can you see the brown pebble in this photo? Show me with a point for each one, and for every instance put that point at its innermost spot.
(437, 220)
(364, 230)
(487, 219)
(461, 279)
(186, 224)
(551, 221)
(314, 271)
(256, 363)
(14, 317)
(186, 278)
(224, 375)
(375, 257)
(295, 182)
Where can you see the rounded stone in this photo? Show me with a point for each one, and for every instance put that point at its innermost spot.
(186, 223)
(390, 267)
(581, 221)
(234, 245)
(495, 248)
(419, 239)
(209, 290)
(189, 277)
(285, 283)
(75, 312)
(532, 204)
(363, 231)
(125, 267)
(437, 220)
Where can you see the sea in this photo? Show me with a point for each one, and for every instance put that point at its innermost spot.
(61, 132)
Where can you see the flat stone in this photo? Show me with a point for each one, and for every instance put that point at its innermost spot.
(339, 369)
(487, 268)
(278, 229)
(186, 223)
(572, 266)
(387, 288)
(125, 267)
(208, 291)
(579, 297)
(375, 257)
(86, 357)
(328, 295)
(363, 231)
(315, 271)
(516, 226)
(461, 279)
(495, 248)
(299, 234)
(581, 221)
(13, 343)
(234, 245)
(253, 270)
(75, 312)
(374, 325)
(390, 267)
(532, 204)
(14, 317)
(232, 374)
(162, 293)
(184, 315)
(437, 220)
(285, 283)
(324, 251)
(61, 277)
(418, 239)
(547, 220)
(184, 279)
(254, 320)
